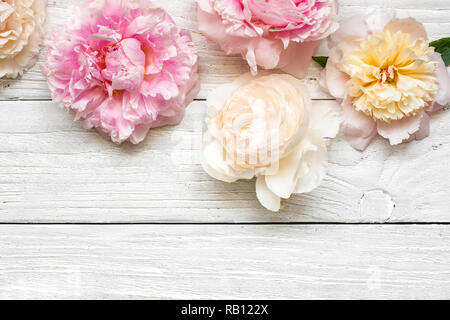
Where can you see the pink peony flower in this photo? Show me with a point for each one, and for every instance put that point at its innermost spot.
(386, 77)
(270, 33)
(123, 67)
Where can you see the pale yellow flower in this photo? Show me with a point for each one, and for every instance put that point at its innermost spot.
(391, 76)
(386, 77)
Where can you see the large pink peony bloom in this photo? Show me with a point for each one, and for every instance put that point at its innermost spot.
(386, 77)
(123, 67)
(270, 33)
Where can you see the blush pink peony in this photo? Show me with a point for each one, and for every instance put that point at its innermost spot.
(386, 77)
(272, 34)
(123, 67)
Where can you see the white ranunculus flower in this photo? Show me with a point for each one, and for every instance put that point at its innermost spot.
(268, 127)
(21, 32)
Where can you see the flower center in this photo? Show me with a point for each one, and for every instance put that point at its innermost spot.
(388, 75)
(124, 65)
(391, 77)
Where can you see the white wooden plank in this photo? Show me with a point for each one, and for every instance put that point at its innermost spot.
(215, 67)
(225, 262)
(52, 170)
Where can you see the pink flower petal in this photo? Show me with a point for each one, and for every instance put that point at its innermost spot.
(358, 128)
(354, 27)
(211, 26)
(335, 80)
(442, 99)
(360, 26)
(402, 130)
(139, 133)
(424, 128)
(297, 58)
(409, 25)
(267, 52)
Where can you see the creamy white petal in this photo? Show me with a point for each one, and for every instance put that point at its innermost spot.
(284, 181)
(326, 118)
(263, 126)
(213, 163)
(218, 97)
(314, 165)
(266, 197)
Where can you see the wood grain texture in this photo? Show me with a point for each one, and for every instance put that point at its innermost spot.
(52, 170)
(215, 67)
(225, 262)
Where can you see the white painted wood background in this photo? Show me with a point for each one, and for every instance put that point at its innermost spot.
(83, 218)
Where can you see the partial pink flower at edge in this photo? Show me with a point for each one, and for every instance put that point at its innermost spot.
(123, 67)
(274, 34)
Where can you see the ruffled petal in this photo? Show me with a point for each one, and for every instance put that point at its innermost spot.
(267, 52)
(297, 58)
(358, 128)
(424, 128)
(218, 97)
(326, 118)
(266, 197)
(210, 24)
(139, 133)
(212, 160)
(21, 25)
(354, 27)
(360, 26)
(415, 29)
(335, 80)
(314, 165)
(401, 130)
(283, 182)
(442, 99)
(378, 18)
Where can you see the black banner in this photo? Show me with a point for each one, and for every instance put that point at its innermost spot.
(214, 310)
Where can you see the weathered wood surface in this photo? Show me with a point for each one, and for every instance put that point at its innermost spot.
(223, 262)
(217, 68)
(52, 170)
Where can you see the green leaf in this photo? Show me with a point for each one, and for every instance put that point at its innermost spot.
(321, 60)
(446, 56)
(443, 47)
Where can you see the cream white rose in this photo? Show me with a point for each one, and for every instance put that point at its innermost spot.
(21, 32)
(268, 127)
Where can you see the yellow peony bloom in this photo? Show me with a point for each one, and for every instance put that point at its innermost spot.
(386, 77)
(391, 77)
